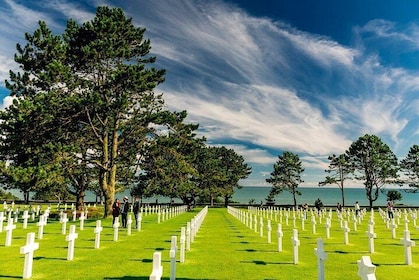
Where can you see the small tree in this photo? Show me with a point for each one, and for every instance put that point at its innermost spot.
(286, 175)
(394, 195)
(340, 170)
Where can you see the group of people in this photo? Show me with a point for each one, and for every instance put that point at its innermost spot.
(122, 209)
(390, 208)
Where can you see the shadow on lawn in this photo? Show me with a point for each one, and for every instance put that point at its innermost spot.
(148, 277)
(10, 277)
(257, 262)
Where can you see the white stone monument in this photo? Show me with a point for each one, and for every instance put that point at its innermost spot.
(280, 236)
(172, 255)
(321, 257)
(9, 232)
(371, 235)
(115, 229)
(366, 270)
(408, 243)
(64, 221)
(28, 250)
(98, 229)
(295, 244)
(157, 271)
(71, 238)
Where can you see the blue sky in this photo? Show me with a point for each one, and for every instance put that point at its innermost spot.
(265, 76)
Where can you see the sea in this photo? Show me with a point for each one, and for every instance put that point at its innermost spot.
(329, 196)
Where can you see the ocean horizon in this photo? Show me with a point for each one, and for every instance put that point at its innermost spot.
(329, 196)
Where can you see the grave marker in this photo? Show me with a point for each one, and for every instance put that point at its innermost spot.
(25, 217)
(129, 225)
(295, 244)
(321, 257)
(366, 270)
(408, 243)
(371, 235)
(182, 245)
(157, 271)
(41, 224)
(81, 219)
(9, 232)
(280, 235)
(71, 238)
(269, 230)
(115, 229)
(2, 219)
(98, 229)
(346, 231)
(28, 250)
(172, 255)
(64, 221)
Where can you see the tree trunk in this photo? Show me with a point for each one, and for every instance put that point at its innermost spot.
(343, 196)
(80, 199)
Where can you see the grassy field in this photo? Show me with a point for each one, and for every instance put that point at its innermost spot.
(224, 248)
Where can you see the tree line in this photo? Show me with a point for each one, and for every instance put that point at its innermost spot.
(86, 117)
(367, 160)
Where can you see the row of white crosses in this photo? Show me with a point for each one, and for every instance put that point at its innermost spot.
(187, 236)
(170, 212)
(371, 235)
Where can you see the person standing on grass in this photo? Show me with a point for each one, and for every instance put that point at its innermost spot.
(135, 209)
(390, 206)
(115, 209)
(124, 211)
(357, 208)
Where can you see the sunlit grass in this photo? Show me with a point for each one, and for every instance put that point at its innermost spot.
(224, 248)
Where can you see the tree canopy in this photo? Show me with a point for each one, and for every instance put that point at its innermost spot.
(286, 175)
(374, 163)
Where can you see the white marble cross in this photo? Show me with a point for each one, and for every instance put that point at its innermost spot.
(157, 271)
(64, 221)
(371, 235)
(366, 270)
(182, 244)
(408, 243)
(393, 227)
(261, 227)
(2, 219)
(41, 223)
(172, 255)
(295, 243)
(74, 214)
(328, 225)
(98, 229)
(280, 235)
(321, 257)
(269, 230)
(25, 217)
(188, 235)
(129, 225)
(115, 229)
(139, 219)
(71, 238)
(81, 219)
(346, 231)
(313, 224)
(9, 232)
(28, 250)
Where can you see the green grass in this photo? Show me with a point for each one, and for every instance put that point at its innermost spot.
(224, 248)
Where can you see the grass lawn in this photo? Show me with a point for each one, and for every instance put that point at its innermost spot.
(224, 248)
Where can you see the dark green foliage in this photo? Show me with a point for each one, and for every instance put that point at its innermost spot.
(410, 167)
(374, 163)
(286, 175)
(394, 195)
